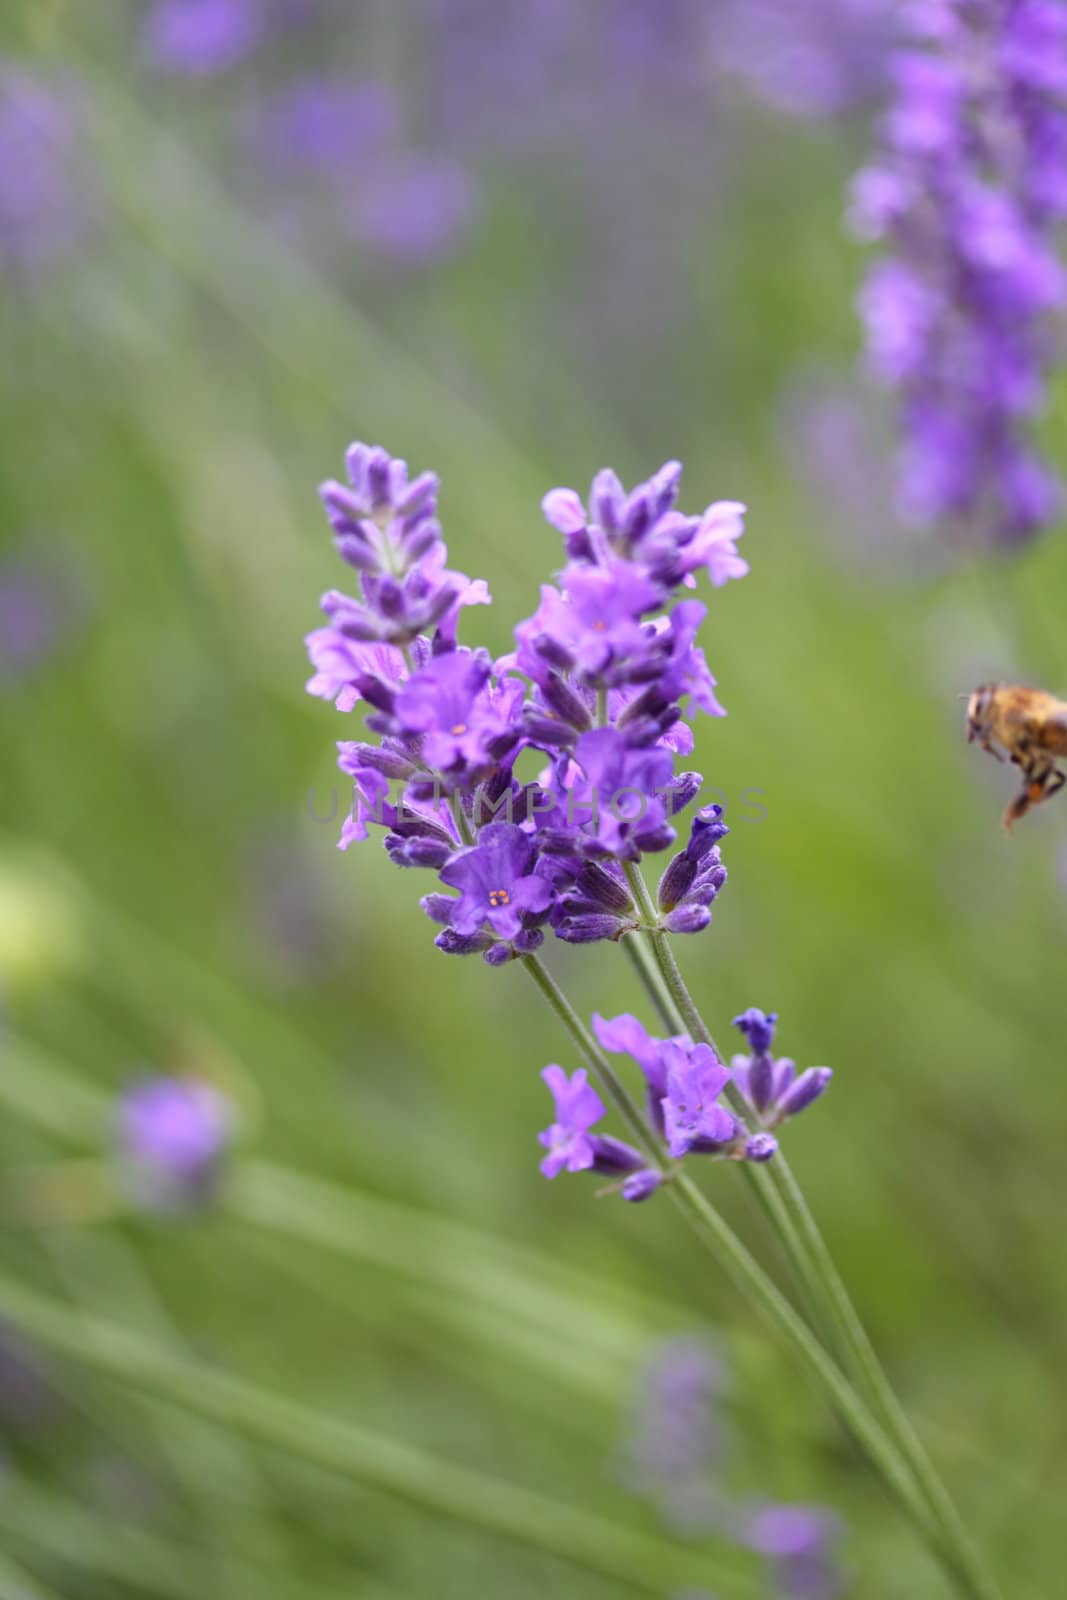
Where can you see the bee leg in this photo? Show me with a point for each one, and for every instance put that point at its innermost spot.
(1041, 782)
(1018, 808)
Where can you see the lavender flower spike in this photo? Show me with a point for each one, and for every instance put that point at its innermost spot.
(968, 193)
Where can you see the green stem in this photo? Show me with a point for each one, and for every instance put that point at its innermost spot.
(825, 1287)
(746, 1272)
(661, 979)
(650, 980)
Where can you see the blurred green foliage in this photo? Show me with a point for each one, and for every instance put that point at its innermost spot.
(168, 402)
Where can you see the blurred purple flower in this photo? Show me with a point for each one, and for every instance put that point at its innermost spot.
(46, 203)
(814, 59)
(968, 194)
(799, 1543)
(412, 209)
(676, 1449)
(321, 123)
(173, 1136)
(202, 37)
(41, 606)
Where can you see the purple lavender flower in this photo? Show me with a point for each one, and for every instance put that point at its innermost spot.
(968, 193)
(799, 1543)
(173, 1137)
(615, 796)
(592, 628)
(578, 1108)
(625, 1035)
(692, 1119)
(201, 37)
(459, 718)
(572, 1148)
(386, 527)
(498, 886)
(683, 1082)
(342, 664)
(771, 1086)
(46, 203)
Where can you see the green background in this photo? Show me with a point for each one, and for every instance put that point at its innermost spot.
(169, 400)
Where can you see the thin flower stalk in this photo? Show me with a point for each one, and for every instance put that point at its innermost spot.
(746, 1273)
(826, 1288)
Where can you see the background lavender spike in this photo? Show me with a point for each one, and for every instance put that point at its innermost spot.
(968, 196)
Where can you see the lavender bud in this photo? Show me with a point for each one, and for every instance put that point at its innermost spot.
(604, 887)
(420, 540)
(681, 871)
(420, 494)
(356, 552)
(687, 919)
(360, 626)
(641, 1185)
(498, 955)
(561, 699)
(391, 763)
(708, 829)
(390, 598)
(417, 852)
(553, 653)
(758, 1028)
(808, 1087)
(546, 731)
(659, 836)
(613, 1155)
(761, 1081)
(376, 692)
(761, 1147)
(587, 929)
(439, 907)
(684, 788)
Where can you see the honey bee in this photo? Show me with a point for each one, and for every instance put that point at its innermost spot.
(1032, 728)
